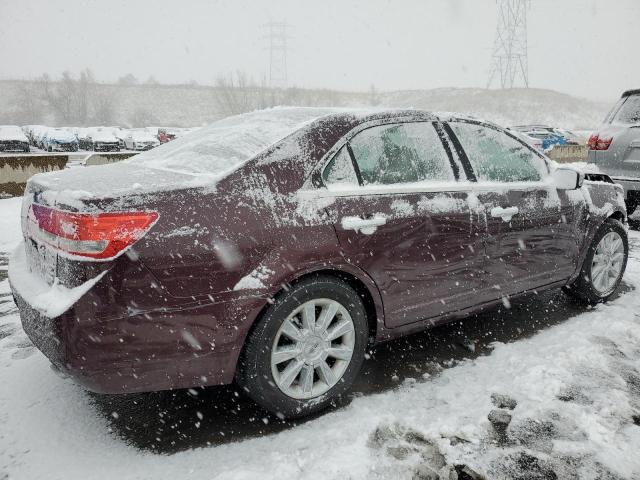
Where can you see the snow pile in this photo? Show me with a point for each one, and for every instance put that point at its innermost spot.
(10, 233)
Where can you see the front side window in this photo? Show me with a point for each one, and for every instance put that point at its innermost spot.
(400, 153)
(497, 157)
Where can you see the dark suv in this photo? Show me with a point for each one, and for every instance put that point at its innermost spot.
(615, 147)
(271, 248)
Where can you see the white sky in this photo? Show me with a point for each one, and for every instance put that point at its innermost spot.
(587, 48)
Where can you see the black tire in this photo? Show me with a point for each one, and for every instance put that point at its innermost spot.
(254, 372)
(631, 206)
(582, 288)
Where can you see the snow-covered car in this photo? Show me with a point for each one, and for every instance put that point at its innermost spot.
(60, 140)
(272, 248)
(101, 139)
(13, 139)
(120, 133)
(140, 140)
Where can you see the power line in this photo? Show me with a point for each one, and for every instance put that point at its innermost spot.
(510, 62)
(277, 36)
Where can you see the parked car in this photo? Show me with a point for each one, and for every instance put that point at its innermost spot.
(615, 146)
(534, 142)
(272, 248)
(549, 136)
(120, 133)
(60, 140)
(140, 140)
(12, 138)
(101, 139)
(82, 134)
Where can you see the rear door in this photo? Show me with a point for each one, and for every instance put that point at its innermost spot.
(400, 216)
(537, 241)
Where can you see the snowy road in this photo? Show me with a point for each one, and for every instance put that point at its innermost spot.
(420, 405)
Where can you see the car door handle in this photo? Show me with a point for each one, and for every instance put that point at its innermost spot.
(505, 213)
(363, 225)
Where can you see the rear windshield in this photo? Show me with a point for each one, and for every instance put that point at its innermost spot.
(226, 144)
(629, 112)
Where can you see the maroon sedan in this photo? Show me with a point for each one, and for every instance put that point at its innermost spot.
(271, 248)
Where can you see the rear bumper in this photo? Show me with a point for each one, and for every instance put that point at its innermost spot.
(107, 346)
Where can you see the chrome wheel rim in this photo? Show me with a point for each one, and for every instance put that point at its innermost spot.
(607, 263)
(312, 348)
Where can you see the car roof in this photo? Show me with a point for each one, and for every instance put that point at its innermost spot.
(629, 93)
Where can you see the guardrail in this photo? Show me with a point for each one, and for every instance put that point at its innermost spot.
(15, 170)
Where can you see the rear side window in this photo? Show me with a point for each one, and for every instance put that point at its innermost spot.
(496, 157)
(629, 112)
(400, 153)
(339, 171)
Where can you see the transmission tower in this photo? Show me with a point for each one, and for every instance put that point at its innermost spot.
(509, 60)
(277, 36)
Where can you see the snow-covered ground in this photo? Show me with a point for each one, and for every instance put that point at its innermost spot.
(576, 384)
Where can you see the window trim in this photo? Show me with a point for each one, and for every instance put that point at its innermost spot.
(467, 163)
(346, 141)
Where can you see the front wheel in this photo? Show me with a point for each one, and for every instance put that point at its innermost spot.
(307, 348)
(603, 266)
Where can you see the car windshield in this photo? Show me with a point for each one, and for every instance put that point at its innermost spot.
(226, 144)
(629, 112)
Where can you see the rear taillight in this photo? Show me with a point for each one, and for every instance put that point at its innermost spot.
(93, 235)
(596, 142)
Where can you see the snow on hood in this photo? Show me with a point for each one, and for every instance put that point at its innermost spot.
(143, 137)
(223, 146)
(61, 135)
(12, 133)
(102, 136)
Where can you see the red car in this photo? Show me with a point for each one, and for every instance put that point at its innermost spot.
(271, 248)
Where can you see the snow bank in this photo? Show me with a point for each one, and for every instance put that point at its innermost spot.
(10, 233)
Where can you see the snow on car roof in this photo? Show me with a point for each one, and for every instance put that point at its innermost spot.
(226, 144)
(11, 132)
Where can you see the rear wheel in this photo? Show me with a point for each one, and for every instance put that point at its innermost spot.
(307, 348)
(604, 264)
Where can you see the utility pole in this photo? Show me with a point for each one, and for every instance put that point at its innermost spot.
(510, 63)
(277, 36)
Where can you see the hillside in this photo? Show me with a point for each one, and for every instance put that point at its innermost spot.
(23, 102)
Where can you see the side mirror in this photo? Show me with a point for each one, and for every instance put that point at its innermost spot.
(567, 179)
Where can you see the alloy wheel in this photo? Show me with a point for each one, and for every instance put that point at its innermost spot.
(607, 263)
(312, 348)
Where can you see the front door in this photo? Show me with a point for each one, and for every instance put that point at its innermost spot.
(536, 242)
(400, 216)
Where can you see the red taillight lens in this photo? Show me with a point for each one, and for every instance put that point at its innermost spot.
(93, 235)
(603, 143)
(596, 142)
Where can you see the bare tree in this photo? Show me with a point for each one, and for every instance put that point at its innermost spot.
(104, 107)
(28, 104)
(236, 93)
(128, 79)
